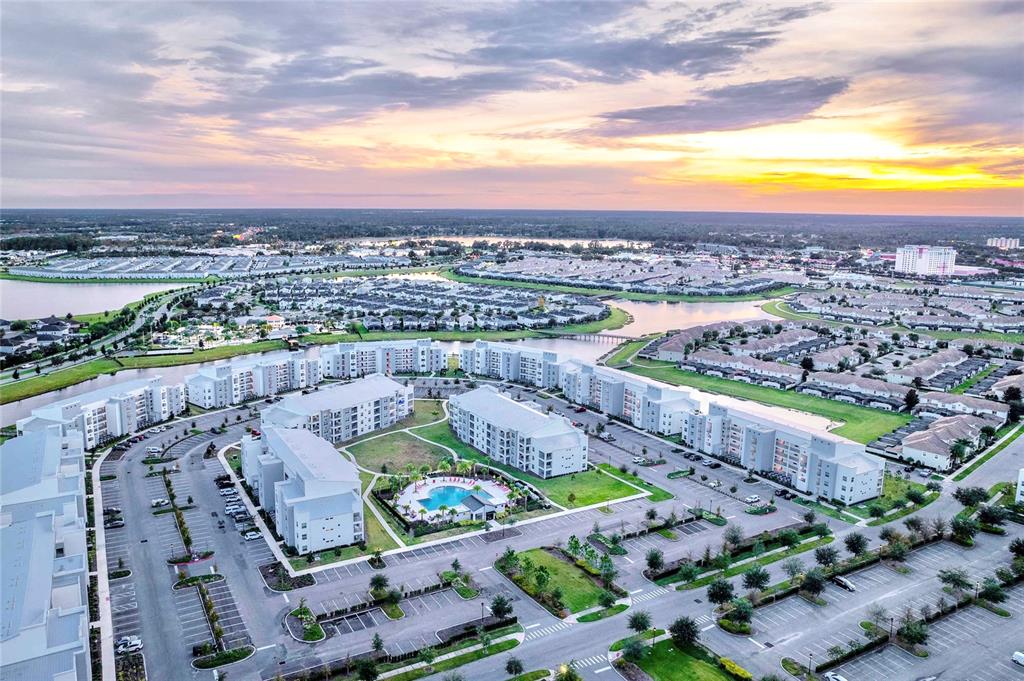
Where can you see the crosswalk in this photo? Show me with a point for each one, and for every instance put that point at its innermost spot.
(650, 595)
(534, 634)
(585, 662)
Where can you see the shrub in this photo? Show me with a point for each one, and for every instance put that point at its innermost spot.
(734, 670)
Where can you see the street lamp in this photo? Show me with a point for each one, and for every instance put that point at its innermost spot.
(892, 621)
(810, 656)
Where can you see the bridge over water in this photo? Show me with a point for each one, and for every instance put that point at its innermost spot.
(593, 337)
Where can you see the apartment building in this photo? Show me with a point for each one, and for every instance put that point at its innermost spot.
(941, 403)
(517, 434)
(926, 260)
(815, 462)
(933, 447)
(640, 401)
(510, 362)
(44, 568)
(110, 412)
(1003, 243)
(342, 412)
(352, 360)
(312, 492)
(251, 378)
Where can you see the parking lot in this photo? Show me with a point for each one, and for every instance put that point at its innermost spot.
(195, 630)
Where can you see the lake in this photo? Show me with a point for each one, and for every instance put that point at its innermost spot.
(34, 300)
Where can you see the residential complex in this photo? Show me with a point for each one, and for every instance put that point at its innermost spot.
(517, 434)
(311, 491)
(926, 260)
(815, 462)
(110, 412)
(251, 378)
(1003, 243)
(641, 402)
(342, 412)
(510, 362)
(352, 360)
(43, 555)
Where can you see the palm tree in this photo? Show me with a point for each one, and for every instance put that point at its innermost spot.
(444, 467)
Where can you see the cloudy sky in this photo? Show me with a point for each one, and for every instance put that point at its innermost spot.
(847, 106)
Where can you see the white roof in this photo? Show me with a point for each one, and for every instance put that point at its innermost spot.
(490, 405)
(309, 455)
(342, 396)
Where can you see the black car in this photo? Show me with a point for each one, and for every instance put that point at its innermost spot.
(714, 464)
(780, 493)
(678, 450)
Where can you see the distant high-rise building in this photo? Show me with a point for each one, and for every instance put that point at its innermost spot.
(1003, 243)
(926, 260)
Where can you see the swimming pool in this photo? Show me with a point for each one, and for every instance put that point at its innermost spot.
(450, 496)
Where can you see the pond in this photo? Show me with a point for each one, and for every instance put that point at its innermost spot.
(34, 300)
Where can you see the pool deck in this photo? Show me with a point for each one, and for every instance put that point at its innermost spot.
(413, 495)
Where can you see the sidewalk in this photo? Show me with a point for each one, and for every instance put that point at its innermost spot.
(102, 582)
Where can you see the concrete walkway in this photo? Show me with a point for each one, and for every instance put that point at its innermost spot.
(102, 581)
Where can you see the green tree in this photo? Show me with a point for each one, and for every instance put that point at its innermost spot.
(742, 611)
(640, 621)
(655, 560)
(814, 582)
(720, 591)
(826, 556)
(992, 591)
(856, 543)
(970, 496)
(633, 650)
(756, 579)
(513, 666)
(501, 606)
(684, 632)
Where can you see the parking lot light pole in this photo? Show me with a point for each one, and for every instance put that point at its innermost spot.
(892, 621)
(810, 666)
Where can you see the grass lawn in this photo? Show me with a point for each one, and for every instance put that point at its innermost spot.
(664, 662)
(579, 592)
(590, 487)
(827, 510)
(657, 493)
(604, 614)
(860, 424)
(56, 380)
(988, 455)
(396, 450)
(424, 411)
(894, 491)
(234, 457)
(626, 351)
(966, 385)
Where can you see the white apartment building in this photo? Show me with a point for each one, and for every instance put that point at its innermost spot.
(640, 401)
(341, 412)
(251, 378)
(352, 360)
(312, 492)
(110, 412)
(510, 362)
(926, 260)
(1003, 243)
(44, 568)
(518, 435)
(816, 462)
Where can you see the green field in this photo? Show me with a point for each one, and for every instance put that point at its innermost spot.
(396, 450)
(590, 487)
(424, 411)
(894, 491)
(625, 295)
(657, 493)
(625, 352)
(664, 662)
(969, 383)
(579, 592)
(860, 424)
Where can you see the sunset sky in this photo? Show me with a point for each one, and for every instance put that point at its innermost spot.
(845, 106)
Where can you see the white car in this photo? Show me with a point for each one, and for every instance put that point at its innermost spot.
(832, 676)
(233, 508)
(249, 536)
(715, 484)
(129, 647)
(1018, 658)
(752, 499)
(157, 503)
(228, 491)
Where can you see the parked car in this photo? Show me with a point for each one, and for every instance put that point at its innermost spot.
(112, 524)
(157, 503)
(124, 640)
(231, 508)
(227, 491)
(715, 484)
(678, 450)
(580, 410)
(714, 464)
(924, 473)
(607, 437)
(249, 536)
(152, 450)
(832, 676)
(780, 493)
(1018, 658)
(111, 510)
(844, 583)
(130, 647)
(706, 461)
(752, 499)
